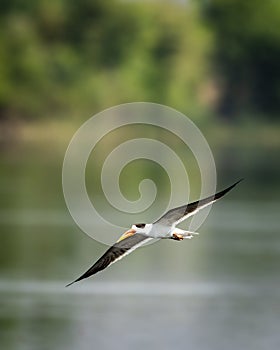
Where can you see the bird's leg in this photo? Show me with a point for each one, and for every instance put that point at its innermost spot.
(177, 236)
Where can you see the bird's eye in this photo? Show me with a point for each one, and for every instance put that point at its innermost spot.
(140, 225)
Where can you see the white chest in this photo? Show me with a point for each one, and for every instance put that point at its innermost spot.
(160, 231)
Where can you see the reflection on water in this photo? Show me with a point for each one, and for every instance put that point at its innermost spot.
(139, 315)
(218, 291)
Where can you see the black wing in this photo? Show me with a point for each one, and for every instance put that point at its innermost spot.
(179, 214)
(114, 253)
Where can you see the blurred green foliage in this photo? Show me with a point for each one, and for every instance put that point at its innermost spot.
(247, 55)
(66, 58)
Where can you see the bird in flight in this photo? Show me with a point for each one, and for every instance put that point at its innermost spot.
(163, 228)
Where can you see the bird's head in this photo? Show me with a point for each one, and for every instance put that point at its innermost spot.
(143, 229)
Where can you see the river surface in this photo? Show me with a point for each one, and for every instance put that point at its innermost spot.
(218, 291)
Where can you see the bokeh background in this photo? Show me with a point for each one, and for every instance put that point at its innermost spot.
(217, 61)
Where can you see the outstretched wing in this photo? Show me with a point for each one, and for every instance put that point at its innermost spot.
(179, 214)
(115, 253)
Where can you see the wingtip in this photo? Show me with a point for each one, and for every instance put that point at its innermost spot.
(237, 182)
(68, 285)
(76, 280)
(226, 190)
(242, 179)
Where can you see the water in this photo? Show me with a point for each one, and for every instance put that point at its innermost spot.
(139, 315)
(219, 291)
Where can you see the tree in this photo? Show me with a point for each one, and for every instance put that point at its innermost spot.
(247, 54)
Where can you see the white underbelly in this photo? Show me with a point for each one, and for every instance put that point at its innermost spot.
(159, 231)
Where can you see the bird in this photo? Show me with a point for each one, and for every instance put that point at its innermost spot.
(163, 228)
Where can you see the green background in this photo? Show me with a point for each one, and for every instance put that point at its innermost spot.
(216, 61)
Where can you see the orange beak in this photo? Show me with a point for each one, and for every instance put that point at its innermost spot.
(126, 235)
